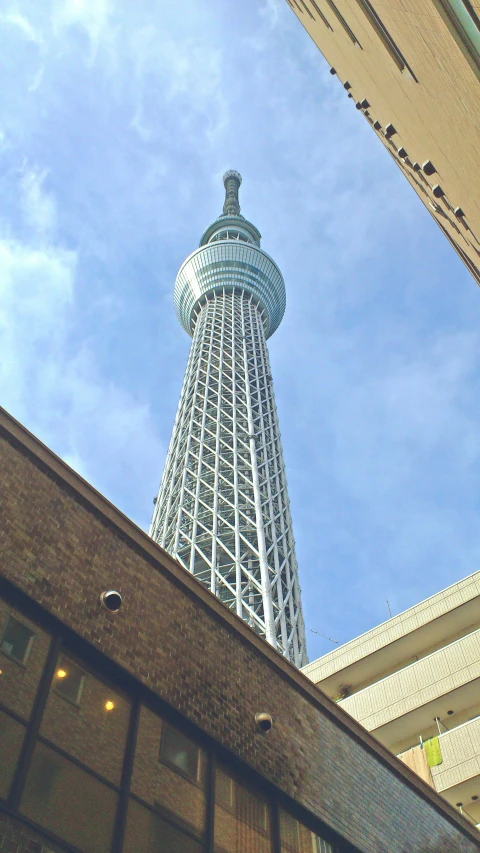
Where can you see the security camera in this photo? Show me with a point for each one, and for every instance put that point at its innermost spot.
(264, 721)
(111, 600)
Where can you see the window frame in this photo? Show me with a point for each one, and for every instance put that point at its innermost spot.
(24, 662)
(446, 10)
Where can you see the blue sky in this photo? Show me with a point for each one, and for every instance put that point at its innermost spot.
(117, 121)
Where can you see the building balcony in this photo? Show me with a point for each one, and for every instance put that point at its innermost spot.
(404, 705)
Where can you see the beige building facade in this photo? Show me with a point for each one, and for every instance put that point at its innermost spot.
(414, 683)
(412, 68)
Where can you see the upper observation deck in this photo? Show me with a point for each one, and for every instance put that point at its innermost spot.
(230, 257)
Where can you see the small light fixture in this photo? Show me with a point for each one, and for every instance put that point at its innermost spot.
(109, 705)
(390, 131)
(474, 798)
(332, 71)
(347, 85)
(377, 125)
(402, 153)
(263, 721)
(437, 191)
(428, 167)
(416, 167)
(111, 600)
(364, 104)
(458, 212)
(459, 805)
(61, 673)
(449, 713)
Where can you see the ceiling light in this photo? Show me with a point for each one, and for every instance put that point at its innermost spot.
(109, 705)
(61, 673)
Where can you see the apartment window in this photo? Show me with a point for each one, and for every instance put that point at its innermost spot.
(169, 773)
(92, 724)
(17, 640)
(147, 832)
(386, 38)
(242, 817)
(464, 24)
(336, 11)
(25, 648)
(69, 681)
(297, 838)
(180, 753)
(69, 801)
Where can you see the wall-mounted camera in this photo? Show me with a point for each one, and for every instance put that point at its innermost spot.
(111, 600)
(263, 721)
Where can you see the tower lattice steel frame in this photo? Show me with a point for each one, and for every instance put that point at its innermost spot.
(223, 509)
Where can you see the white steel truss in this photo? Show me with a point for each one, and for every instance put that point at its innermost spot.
(222, 508)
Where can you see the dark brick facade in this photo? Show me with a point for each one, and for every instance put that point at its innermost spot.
(62, 544)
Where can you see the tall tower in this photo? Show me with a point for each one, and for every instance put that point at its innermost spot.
(222, 509)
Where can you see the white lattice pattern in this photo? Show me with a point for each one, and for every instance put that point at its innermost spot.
(223, 508)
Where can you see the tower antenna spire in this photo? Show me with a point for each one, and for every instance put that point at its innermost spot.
(231, 182)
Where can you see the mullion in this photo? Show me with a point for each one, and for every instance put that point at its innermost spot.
(33, 729)
(125, 782)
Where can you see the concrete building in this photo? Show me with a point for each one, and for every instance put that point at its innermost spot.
(414, 682)
(134, 728)
(223, 510)
(412, 68)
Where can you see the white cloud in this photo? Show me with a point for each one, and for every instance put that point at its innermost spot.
(38, 205)
(51, 385)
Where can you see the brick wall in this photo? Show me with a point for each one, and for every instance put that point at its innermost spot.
(63, 544)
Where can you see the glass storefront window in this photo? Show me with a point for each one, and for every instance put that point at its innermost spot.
(242, 817)
(147, 832)
(24, 650)
(92, 725)
(169, 772)
(11, 739)
(296, 838)
(69, 802)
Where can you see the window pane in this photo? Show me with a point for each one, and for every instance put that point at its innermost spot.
(69, 680)
(242, 817)
(93, 731)
(296, 838)
(69, 801)
(178, 787)
(146, 832)
(11, 739)
(18, 684)
(180, 752)
(17, 640)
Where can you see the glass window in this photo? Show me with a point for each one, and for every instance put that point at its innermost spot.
(180, 753)
(26, 644)
(169, 773)
(463, 21)
(242, 817)
(69, 680)
(147, 832)
(296, 838)
(93, 731)
(69, 801)
(385, 38)
(11, 739)
(17, 640)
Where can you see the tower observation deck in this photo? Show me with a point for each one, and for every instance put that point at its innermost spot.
(222, 510)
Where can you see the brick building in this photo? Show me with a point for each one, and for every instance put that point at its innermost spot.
(412, 67)
(118, 732)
